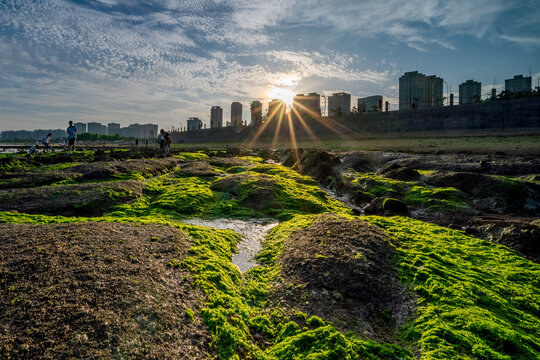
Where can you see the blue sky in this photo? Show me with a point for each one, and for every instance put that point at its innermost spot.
(163, 61)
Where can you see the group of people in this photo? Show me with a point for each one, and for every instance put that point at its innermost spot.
(164, 140)
(46, 141)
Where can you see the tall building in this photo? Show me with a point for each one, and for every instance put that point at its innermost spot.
(370, 103)
(144, 131)
(113, 129)
(236, 114)
(518, 83)
(194, 123)
(216, 117)
(418, 91)
(256, 113)
(306, 106)
(339, 103)
(81, 127)
(96, 128)
(470, 92)
(276, 109)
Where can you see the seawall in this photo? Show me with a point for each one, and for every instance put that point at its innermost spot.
(499, 115)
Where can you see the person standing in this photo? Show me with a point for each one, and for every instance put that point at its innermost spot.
(47, 142)
(168, 142)
(72, 136)
(161, 139)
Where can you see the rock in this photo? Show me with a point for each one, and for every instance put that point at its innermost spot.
(395, 206)
(375, 207)
(403, 174)
(361, 197)
(317, 164)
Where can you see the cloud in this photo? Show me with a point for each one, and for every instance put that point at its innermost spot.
(526, 41)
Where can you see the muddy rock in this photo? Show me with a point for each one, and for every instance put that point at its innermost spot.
(317, 164)
(71, 200)
(96, 291)
(197, 168)
(227, 162)
(492, 194)
(402, 173)
(343, 271)
(394, 206)
(375, 207)
(522, 235)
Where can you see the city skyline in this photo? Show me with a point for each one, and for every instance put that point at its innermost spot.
(163, 62)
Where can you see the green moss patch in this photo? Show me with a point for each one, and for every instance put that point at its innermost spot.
(477, 299)
(191, 156)
(436, 198)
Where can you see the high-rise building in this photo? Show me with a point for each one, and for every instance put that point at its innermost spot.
(113, 129)
(96, 128)
(306, 106)
(276, 109)
(256, 113)
(194, 123)
(236, 114)
(144, 131)
(216, 117)
(470, 92)
(81, 127)
(518, 83)
(418, 91)
(370, 103)
(339, 104)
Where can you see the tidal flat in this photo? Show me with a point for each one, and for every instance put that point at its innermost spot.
(269, 254)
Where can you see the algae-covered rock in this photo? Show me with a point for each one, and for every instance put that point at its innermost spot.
(97, 291)
(269, 193)
(343, 271)
(197, 169)
(317, 164)
(91, 199)
(492, 193)
(394, 206)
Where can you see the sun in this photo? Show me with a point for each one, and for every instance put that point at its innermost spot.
(285, 95)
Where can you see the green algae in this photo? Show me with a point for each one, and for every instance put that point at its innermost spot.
(279, 193)
(191, 156)
(253, 159)
(478, 299)
(413, 193)
(436, 198)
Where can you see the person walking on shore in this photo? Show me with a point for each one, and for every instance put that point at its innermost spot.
(72, 136)
(168, 142)
(47, 142)
(161, 139)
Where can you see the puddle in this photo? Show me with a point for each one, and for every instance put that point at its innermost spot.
(252, 232)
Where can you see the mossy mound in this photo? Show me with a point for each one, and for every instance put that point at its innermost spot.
(228, 162)
(493, 193)
(91, 171)
(71, 200)
(477, 300)
(342, 270)
(97, 290)
(198, 169)
(274, 194)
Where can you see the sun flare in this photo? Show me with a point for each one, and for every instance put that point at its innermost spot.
(285, 95)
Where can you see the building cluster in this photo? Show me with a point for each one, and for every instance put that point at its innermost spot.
(139, 131)
(416, 91)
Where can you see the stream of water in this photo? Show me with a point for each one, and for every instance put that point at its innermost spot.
(253, 233)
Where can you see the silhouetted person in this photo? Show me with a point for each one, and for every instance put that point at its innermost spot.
(168, 142)
(72, 136)
(46, 142)
(161, 139)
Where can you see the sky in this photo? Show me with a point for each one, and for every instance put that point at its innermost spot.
(163, 61)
